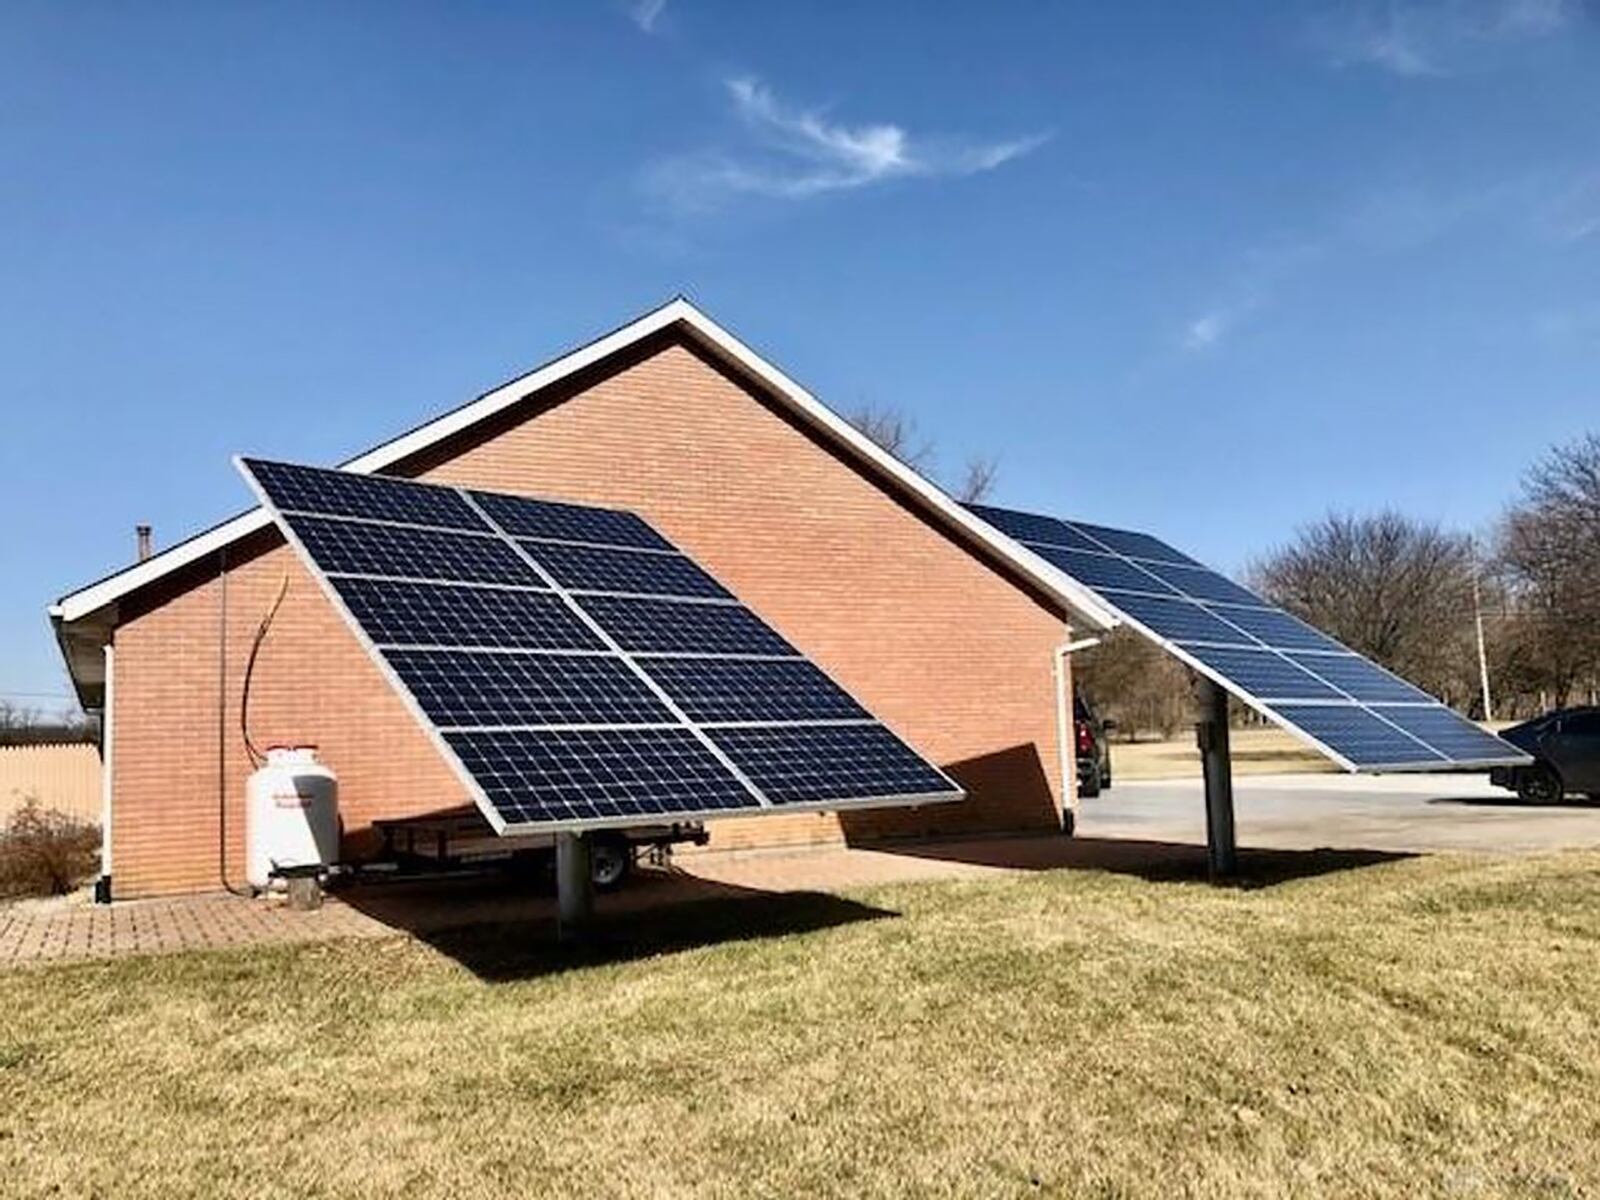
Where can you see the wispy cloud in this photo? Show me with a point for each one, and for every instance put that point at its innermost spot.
(792, 153)
(645, 13)
(1422, 38)
(1573, 213)
(1542, 211)
(1256, 281)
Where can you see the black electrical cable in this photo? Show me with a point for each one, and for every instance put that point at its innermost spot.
(256, 757)
(244, 709)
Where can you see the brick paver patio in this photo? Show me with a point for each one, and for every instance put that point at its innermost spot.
(73, 929)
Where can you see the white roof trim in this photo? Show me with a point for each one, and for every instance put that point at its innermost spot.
(1053, 582)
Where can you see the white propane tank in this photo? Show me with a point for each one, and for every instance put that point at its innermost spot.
(291, 815)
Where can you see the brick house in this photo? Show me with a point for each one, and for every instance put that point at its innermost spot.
(946, 629)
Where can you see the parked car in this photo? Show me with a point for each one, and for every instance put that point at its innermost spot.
(1565, 745)
(1093, 748)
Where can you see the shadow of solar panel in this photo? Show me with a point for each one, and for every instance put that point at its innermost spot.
(539, 777)
(1131, 543)
(720, 689)
(654, 626)
(377, 497)
(1031, 527)
(593, 569)
(353, 547)
(1103, 570)
(811, 764)
(429, 614)
(1263, 673)
(1362, 680)
(1179, 620)
(1358, 735)
(522, 516)
(1451, 734)
(469, 687)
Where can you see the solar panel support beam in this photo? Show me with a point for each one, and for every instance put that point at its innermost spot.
(574, 885)
(1217, 763)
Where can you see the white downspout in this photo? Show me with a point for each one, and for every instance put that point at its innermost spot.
(107, 750)
(1067, 748)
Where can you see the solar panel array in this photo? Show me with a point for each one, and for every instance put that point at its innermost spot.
(576, 668)
(1362, 716)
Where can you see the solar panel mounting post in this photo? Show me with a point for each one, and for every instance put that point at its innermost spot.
(574, 886)
(1216, 761)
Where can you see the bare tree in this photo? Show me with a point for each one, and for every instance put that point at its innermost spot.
(895, 431)
(22, 726)
(1131, 679)
(1396, 589)
(978, 482)
(1548, 555)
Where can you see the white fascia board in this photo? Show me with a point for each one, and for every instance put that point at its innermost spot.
(1055, 583)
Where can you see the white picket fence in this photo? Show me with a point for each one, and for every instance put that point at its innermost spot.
(62, 777)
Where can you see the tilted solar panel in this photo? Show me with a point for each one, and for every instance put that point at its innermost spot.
(1363, 717)
(574, 668)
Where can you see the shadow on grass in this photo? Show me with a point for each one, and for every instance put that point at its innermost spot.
(1157, 862)
(501, 932)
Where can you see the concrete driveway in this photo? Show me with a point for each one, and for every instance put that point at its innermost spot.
(1418, 813)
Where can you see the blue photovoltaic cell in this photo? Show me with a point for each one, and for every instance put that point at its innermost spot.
(1359, 735)
(684, 626)
(1101, 570)
(472, 687)
(1179, 620)
(785, 689)
(1201, 584)
(811, 764)
(521, 516)
(1277, 628)
(540, 777)
(1360, 679)
(1134, 545)
(378, 497)
(590, 568)
(353, 547)
(1264, 673)
(437, 614)
(1446, 731)
(1030, 527)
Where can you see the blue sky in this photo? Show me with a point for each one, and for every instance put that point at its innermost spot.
(1208, 270)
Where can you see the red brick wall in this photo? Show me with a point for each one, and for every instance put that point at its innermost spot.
(947, 650)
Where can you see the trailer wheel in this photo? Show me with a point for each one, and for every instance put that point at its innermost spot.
(610, 862)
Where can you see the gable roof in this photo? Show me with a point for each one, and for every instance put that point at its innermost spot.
(679, 315)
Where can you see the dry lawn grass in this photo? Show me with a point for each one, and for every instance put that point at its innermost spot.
(1265, 751)
(1418, 1027)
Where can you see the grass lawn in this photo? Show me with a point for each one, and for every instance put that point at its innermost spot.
(1263, 750)
(1417, 1027)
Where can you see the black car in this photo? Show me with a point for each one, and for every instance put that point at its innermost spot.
(1565, 745)
(1093, 750)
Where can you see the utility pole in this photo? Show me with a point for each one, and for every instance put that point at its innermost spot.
(1483, 654)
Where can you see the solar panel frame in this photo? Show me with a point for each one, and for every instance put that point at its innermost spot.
(542, 581)
(1263, 630)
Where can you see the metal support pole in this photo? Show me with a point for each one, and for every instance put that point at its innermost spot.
(574, 885)
(1212, 734)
